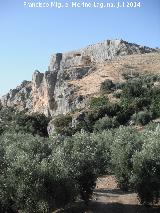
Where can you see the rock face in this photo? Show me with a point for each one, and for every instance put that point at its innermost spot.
(21, 97)
(52, 92)
(96, 53)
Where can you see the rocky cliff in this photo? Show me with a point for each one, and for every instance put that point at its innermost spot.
(58, 90)
(20, 97)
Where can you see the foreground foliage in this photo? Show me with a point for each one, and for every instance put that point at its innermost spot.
(32, 178)
(39, 174)
(146, 169)
(126, 142)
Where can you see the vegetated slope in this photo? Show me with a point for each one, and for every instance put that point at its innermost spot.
(113, 70)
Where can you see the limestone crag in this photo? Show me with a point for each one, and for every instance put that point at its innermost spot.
(43, 86)
(21, 97)
(53, 92)
(96, 53)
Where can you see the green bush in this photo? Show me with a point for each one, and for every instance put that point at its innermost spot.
(150, 78)
(6, 119)
(40, 174)
(107, 86)
(16, 121)
(62, 124)
(102, 142)
(80, 154)
(151, 126)
(155, 106)
(140, 103)
(92, 116)
(117, 94)
(133, 88)
(62, 121)
(98, 102)
(33, 176)
(125, 143)
(131, 109)
(35, 123)
(146, 169)
(106, 123)
(111, 109)
(143, 117)
(88, 156)
(124, 116)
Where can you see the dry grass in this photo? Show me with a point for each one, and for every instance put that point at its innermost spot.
(90, 84)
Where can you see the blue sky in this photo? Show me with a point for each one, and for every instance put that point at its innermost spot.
(28, 36)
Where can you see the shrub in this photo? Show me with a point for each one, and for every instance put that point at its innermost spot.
(111, 109)
(33, 177)
(140, 103)
(80, 154)
(98, 102)
(151, 126)
(102, 142)
(117, 94)
(39, 174)
(146, 169)
(143, 117)
(107, 86)
(62, 121)
(62, 124)
(89, 156)
(133, 88)
(130, 106)
(99, 108)
(155, 106)
(126, 142)
(36, 124)
(6, 119)
(15, 121)
(150, 78)
(106, 123)
(124, 115)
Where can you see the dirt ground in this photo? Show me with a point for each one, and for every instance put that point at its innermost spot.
(108, 198)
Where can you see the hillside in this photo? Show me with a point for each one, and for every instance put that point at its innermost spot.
(75, 76)
(113, 70)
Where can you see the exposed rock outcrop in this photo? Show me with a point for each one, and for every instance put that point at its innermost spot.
(96, 53)
(53, 92)
(20, 98)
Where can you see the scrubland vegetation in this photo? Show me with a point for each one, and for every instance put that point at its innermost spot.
(40, 173)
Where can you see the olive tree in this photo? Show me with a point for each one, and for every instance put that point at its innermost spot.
(146, 168)
(33, 175)
(126, 141)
